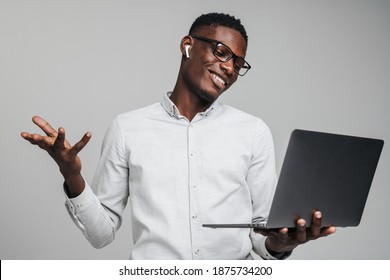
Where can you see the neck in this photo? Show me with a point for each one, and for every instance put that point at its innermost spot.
(189, 103)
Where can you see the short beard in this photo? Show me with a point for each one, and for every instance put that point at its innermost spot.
(208, 98)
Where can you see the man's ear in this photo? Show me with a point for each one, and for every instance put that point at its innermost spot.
(186, 46)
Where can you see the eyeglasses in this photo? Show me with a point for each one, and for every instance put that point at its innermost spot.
(223, 53)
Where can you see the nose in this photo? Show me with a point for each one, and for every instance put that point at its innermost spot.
(228, 67)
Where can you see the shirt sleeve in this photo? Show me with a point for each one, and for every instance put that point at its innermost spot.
(259, 248)
(261, 176)
(98, 213)
(261, 180)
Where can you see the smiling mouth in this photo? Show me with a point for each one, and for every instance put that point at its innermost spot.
(218, 80)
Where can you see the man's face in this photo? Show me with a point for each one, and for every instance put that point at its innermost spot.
(204, 73)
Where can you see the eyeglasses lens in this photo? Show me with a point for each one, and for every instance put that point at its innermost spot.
(224, 54)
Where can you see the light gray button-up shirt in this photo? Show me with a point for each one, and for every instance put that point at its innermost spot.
(178, 175)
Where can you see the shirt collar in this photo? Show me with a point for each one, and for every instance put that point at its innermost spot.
(173, 111)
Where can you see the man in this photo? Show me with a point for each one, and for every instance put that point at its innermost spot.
(186, 161)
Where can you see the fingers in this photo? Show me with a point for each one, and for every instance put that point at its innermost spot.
(285, 240)
(283, 234)
(317, 230)
(54, 141)
(36, 139)
(27, 136)
(45, 126)
(81, 144)
(304, 234)
(59, 144)
(316, 224)
(301, 231)
(328, 231)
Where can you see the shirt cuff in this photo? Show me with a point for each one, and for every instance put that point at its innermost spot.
(259, 248)
(80, 202)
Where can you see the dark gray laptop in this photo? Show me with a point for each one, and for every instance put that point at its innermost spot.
(322, 171)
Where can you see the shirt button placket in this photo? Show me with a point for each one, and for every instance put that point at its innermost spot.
(195, 231)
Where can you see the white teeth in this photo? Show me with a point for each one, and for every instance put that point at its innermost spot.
(219, 79)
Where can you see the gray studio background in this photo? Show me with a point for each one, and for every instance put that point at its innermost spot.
(320, 65)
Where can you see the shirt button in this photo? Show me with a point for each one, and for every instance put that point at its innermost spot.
(194, 217)
(197, 252)
(79, 205)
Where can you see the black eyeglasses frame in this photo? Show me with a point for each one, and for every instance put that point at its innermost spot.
(246, 66)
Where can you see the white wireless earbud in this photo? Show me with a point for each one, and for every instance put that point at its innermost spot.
(187, 52)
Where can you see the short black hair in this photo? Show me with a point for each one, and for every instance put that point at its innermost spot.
(219, 19)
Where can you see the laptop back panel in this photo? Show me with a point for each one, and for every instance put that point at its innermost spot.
(328, 172)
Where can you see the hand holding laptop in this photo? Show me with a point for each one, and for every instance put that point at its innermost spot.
(285, 239)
